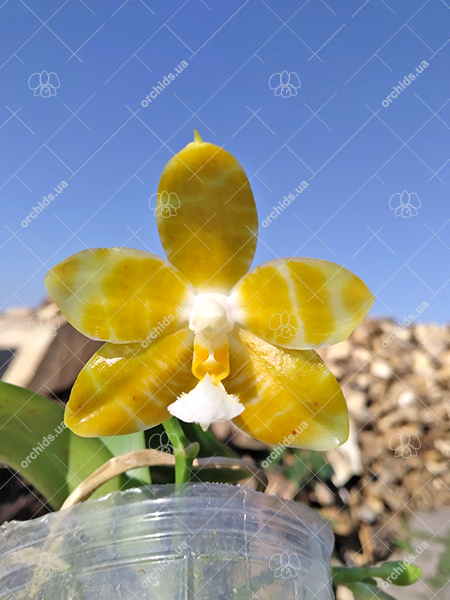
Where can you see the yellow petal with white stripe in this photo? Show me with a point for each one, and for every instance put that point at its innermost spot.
(126, 388)
(120, 295)
(212, 237)
(301, 303)
(290, 396)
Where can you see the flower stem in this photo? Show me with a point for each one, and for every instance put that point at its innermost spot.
(184, 451)
(399, 572)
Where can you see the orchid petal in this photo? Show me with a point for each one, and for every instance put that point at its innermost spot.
(395, 441)
(404, 440)
(44, 78)
(325, 301)
(34, 81)
(163, 200)
(284, 78)
(395, 201)
(53, 80)
(294, 81)
(414, 200)
(404, 198)
(212, 238)
(275, 81)
(120, 295)
(174, 201)
(414, 441)
(290, 396)
(126, 388)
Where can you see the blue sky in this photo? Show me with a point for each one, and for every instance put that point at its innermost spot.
(335, 134)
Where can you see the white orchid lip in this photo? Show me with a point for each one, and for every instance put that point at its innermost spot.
(211, 318)
(207, 403)
(212, 311)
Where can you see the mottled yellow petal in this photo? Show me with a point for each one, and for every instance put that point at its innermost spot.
(301, 303)
(290, 396)
(212, 237)
(126, 388)
(120, 295)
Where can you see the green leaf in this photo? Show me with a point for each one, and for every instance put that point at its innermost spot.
(121, 444)
(307, 464)
(209, 444)
(399, 573)
(394, 572)
(35, 442)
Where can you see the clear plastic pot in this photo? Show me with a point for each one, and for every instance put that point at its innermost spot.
(207, 542)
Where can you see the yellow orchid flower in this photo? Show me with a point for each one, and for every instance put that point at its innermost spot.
(197, 336)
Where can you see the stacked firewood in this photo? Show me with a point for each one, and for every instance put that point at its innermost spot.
(397, 383)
